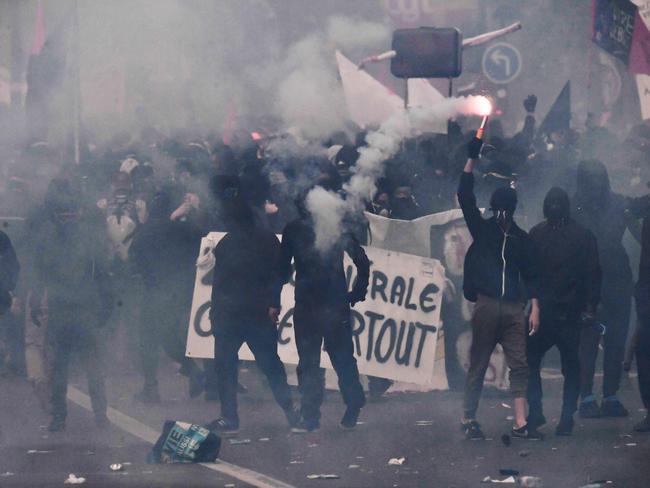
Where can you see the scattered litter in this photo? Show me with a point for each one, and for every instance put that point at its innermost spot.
(524, 454)
(182, 442)
(264, 439)
(360, 457)
(510, 417)
(505, 405)
(322, 476)
(361, 423)
(553, 448)
(126, 464)
(36, 451)
(508, 472)
(509, 479)
(354, 466)
(396, 461)
(505, 438)
(421, 423)
(116, 467)
(229, 485)
(628, 436)
(531, 482)
(73, 480)
(313, 445)
(89, 453)
(617, 447)
(297, 462)
(631, 444)
(235, 442)
(6, 474)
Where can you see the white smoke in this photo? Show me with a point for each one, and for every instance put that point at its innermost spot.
(328, 209)
(309, 94)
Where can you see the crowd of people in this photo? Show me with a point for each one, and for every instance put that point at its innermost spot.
(111, 244)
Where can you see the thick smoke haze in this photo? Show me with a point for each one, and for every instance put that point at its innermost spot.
(329, 209)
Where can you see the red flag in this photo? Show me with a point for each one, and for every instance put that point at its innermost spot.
(640, 50)
(39, 31)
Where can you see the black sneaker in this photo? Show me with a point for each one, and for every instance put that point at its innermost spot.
(643, 426)
(225, 427)
(535, 420)
(197, 384)
(526, 432)
(57, 424)
(305, 426)
(589, 410)
(350, 417)
(564, 427)
(148, 396)
(613, 408)
(293, 416)
(472, 430)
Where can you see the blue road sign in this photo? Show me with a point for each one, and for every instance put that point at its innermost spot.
(501, 63)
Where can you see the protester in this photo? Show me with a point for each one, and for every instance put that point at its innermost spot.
(569, 292)
(605, 214)
(643, 338)
(500, 257)
(245, 306)
(9, 270)
(322, 314)
(164, 254)
(71, 269)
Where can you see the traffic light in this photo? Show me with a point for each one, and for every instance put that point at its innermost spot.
(427, 52)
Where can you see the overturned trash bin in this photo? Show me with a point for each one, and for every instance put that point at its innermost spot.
(182, 442)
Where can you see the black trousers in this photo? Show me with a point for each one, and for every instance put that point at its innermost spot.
(643, 363)
(562, 331)
(615, 314)
(331, 326)
(262, 339)
(164, 324)
(67, 338)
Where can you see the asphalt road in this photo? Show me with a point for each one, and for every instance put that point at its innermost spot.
(423, 428)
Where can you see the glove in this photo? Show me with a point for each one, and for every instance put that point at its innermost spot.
(530, 103)
(356, 296)
(474, 148)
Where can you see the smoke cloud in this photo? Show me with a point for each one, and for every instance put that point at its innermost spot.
(328, 208)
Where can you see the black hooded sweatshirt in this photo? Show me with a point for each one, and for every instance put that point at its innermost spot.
(567, 253)
(497, 263)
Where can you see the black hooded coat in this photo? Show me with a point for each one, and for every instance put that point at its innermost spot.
(567, 253)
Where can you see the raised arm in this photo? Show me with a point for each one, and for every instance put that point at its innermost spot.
(466, 197)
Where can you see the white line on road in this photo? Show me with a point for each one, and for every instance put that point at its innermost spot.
(147, 434)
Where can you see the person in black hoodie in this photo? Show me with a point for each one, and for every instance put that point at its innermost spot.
(245, 307)
(163, 252)
(569, 291)
(641, 208)
(497, 262)
(9, 269)
(322, 314)
(71, 270)
(606, 214)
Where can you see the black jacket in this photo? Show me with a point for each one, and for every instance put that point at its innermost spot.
(320, 277)
(247, 279)
(9, 269)
(496, 262)
(569, 270)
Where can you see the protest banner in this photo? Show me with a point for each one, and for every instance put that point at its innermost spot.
(395, 330)
(445, 237)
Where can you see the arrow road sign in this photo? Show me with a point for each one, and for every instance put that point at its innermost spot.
(501, 63)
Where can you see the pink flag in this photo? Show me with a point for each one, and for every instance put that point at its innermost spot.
(640, 50)
(39, 31)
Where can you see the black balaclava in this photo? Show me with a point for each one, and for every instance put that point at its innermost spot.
(503, 203)
(557, 207)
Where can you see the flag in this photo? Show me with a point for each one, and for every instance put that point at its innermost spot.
(38, 39)
(640, 50)
(558, 117)
(613, 26)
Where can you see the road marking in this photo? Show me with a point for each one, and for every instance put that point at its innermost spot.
(147, 434)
